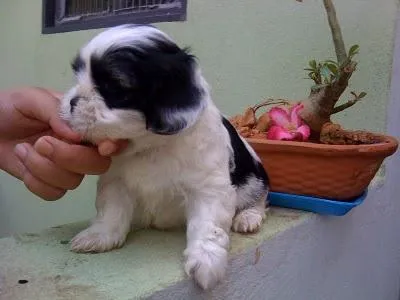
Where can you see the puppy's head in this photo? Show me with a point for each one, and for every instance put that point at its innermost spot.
(132, 81)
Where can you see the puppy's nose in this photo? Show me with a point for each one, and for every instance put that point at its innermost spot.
(73, 103)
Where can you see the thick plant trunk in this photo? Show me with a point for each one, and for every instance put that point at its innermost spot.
(320, 105)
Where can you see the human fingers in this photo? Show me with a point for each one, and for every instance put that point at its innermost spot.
(9, 161)
(41, 189)
(74, 158)
(55, 94)
(39, 104)
(33, 184)
(111, 147)
(45, 170)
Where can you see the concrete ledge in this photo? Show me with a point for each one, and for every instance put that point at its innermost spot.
(354, 257)
(149, 263)
(295, 256)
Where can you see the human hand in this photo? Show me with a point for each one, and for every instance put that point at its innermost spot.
(41, 150)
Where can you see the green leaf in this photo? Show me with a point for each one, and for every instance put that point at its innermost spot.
(333, 68)
(362, 95)
(332, 62)
(308, 69)
(314, 77)
(353, 50)
(326, 73)
(313, 64)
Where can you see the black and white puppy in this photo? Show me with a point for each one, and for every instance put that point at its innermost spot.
(185, 165)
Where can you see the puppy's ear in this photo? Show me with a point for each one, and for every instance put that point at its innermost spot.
(158, 79)
(171, 121)
(176, 99)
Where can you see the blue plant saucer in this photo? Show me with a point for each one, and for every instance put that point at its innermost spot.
(313, 204)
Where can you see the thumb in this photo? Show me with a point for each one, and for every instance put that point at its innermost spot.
(42, 105)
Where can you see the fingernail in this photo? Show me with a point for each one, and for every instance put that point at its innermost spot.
(44, 147)
(21, 151)
(106, 149)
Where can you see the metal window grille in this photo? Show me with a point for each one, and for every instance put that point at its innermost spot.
(68, 15)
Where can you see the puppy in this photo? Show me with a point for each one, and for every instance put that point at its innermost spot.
(185, 164)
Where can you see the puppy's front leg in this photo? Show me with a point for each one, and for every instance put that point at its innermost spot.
(209, 218)
(113, 221)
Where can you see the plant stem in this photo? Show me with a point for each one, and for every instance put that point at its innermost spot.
(340, 48)
(270, 102)
(344, 106)
(320, 105)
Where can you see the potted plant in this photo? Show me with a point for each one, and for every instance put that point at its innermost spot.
(305, 153)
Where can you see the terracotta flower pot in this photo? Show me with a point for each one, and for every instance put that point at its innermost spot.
(339, 172)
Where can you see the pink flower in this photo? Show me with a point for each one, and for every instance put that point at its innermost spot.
(287, 124)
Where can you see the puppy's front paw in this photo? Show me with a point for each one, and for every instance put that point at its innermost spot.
(248, 220)
(97, 238)
(206, 263)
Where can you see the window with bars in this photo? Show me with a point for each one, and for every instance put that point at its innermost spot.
(72, 15)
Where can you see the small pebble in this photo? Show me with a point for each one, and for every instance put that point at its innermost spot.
(22, 281)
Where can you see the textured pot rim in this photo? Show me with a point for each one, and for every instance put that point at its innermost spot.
(387, 147)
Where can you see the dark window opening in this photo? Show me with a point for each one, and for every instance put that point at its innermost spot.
(72, 15)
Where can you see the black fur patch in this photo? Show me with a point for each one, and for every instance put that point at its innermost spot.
(73, 102)
(245, 165)
(77, 64)
(157, 80)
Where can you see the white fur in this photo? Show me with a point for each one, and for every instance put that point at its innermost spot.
(120, 36)
(161, 181)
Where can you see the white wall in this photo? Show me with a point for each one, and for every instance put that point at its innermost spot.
(248, 50)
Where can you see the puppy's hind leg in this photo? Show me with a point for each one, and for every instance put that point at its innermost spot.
(112, 223)
(250, 218)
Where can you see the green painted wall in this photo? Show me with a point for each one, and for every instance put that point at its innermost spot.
(249, 50)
